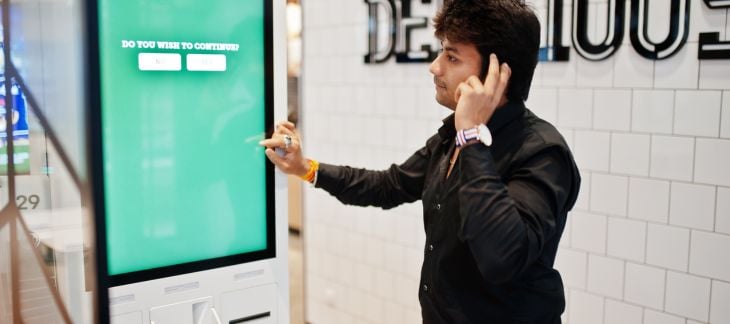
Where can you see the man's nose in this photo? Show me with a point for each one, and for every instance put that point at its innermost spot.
(434, 67)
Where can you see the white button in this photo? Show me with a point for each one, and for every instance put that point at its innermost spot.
(206, 62)
(159, 62)
(438, 206)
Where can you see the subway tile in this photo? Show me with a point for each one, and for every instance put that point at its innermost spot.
(632, 70)
(667, 247)
(592, 150)
(688, 296)
(722, 211)
(575, 107)
(652, 111)
(572, 267)
(630, 154)
(626, 239)
(594, 73)
(719, 310)
(712, 160)
(713, 74)
(697, 113)
(605, 276)
(672, 157)
(544, 103)
(585, 308)
(692, 206)
(649, 199)
(609, 194)
(617, 312)
(644, 285)
(725, 115)
(708, 255)
(655, 317)
(679, 71)
(588, 232)
(612, 110)
(561, 74)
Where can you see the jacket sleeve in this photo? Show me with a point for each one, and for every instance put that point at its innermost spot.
(386, 189)
(506, 225)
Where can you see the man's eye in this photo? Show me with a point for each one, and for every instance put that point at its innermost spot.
(451, 58)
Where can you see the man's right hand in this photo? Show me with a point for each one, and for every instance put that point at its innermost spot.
(293, 162)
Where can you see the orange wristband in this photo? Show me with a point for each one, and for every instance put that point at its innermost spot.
(313, 168)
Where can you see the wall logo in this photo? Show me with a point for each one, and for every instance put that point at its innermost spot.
(401, 24)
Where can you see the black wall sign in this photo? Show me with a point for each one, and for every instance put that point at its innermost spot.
(401, 24)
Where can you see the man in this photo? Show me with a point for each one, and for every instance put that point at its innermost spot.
(496, 181)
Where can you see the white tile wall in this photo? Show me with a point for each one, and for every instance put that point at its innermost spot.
(588, 232)
(612, 110)
(609, 194)
(722, 214)
(712, 159)
(672, 157)
(708, 255)
(605, 276)
(585, 308)
(575, 108)
(725, 118)
(688, 295)
(719, 310)
(644, 285)
(654, 317)
(573, 266)
(692, 206)
(667, 247)
(697, 113)
(652, 140)
(652, 111)
(627, 239)
(592, 149)
(630, 154)
(649, 199)
(617, 312)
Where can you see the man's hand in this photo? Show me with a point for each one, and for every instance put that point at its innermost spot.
(477, 101)
(292, 162)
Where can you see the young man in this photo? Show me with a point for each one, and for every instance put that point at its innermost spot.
(496, 181)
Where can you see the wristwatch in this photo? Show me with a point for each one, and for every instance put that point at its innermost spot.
(480, 133)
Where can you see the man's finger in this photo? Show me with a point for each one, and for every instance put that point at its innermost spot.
(284, 130)
(474, 82)
(272, 142)
(493, 72)
(461, 89)
(288, 125)
(504, 75)
(276, 159)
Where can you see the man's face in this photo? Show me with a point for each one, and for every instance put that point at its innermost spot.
(456, 63)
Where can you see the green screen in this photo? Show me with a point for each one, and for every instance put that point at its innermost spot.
(183, 108)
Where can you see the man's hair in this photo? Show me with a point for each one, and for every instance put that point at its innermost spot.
(507, 28)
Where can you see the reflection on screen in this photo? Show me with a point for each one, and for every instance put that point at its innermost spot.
(183, 109)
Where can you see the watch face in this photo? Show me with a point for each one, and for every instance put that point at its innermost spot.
(485, 136)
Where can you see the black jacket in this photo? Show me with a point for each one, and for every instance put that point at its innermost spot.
(492, 227)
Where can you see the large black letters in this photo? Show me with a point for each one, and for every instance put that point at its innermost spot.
(711, 48)
(614, 30)
(554, 51)
(678, 30)
(373, 55)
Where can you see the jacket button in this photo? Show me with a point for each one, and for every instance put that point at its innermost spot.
(430, 247)
(438, 206)
(425, 287)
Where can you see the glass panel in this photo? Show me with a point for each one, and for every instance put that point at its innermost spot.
(50, 204)
(37, 303)
(6, 302)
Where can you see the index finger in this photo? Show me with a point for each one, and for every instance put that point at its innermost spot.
(493, 72)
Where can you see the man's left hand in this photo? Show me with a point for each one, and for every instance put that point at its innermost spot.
(477, 101)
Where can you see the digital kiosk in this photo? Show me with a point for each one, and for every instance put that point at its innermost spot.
(192, 217)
